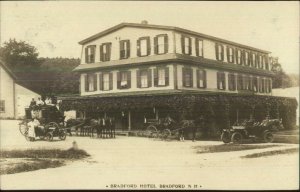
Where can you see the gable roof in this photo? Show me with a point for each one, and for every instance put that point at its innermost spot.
(164, 27)
(5, 67)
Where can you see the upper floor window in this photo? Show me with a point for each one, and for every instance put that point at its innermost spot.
(199, 47)
(144, 78)
(260, 61)
(2, 105)
(161, 44)
(231, 82)
(201, 78)
(106, 81)
(124, 49)
(105, 51)
(186, 45)
(239, 56)
(143, 46)
(247, 58)
(221, 81)
(230, 54)
(124, 80)
(161, 76)
(90, 54)
(90, 82)
(187, 77)
(254, 60)
(266, 58)
(219, 52)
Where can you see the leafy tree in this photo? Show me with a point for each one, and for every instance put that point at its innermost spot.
(281, 79)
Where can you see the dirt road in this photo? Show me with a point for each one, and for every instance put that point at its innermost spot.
(141, 163)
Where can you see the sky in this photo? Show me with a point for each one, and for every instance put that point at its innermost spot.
(56, 27)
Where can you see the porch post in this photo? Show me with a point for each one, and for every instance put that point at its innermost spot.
(129, 120)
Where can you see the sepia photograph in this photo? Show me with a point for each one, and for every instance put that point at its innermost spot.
(149, 95)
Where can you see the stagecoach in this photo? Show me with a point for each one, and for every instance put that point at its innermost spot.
(51, 123)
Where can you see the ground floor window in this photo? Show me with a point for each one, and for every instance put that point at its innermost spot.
(106, 81)
(221, 81)
(2, 106)
(231, 82)
(144, 79)
(187, 77)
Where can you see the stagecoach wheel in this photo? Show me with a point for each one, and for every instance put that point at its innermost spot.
(268, 137)
(23, 128)
(27, 138)
(236, 138)
(49, 137)
(151, 131)
(166, 133)
(62, 136)
(225, 137)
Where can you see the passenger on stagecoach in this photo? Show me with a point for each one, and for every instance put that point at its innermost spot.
(40, 102)
(48, 101)
(32, 104)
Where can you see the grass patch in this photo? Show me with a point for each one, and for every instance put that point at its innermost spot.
(16, 161)
(271, 153)
(229, 147)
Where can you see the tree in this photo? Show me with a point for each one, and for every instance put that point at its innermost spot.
(19, 55)
(281, 79)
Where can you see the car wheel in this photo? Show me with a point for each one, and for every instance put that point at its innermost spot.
(225, 137)
(268, 137)
(236, 138)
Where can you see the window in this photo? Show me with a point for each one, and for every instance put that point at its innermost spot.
(266, 58)
(105, 51)
(254, 61)
(231, 82)
(201, 78)
(239, 57)
(246, 82)
(219, 52)
(221, 81)
(268, 84)
(124, 49)
(90, 82)
(199, 47)
(260, 62)
(106, 81)
(247, 58)
(186, 45)
(2, 105)
(161, 44)
(124, 80)
(261, 85)
(90, 54)
(255, 84)
(187, 77)
(230, 55)
(144, 77)
(161, 76)
(240, 82)
(143, 46)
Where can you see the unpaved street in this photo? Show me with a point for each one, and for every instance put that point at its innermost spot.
(135, 161)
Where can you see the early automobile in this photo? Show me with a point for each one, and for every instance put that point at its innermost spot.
(249, 129)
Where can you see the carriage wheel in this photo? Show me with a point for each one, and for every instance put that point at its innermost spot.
(225, 137)
(62, 135)
(23, 128)
(236, 138)
(166, 133)
(268, 137)
(151, 131)
(49, 136)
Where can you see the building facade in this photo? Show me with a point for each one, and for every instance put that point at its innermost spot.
(141, 59)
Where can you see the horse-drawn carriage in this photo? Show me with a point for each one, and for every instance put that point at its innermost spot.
(250, 129)
(48, 123)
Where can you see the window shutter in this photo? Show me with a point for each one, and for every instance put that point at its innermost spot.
(148, 46)
(250, 59)
(129, 79)
(138, 47)
(110, 81)
(204, 79)
(190, 46)
(218, 80)
(243, 61)
(128, 49)
(228, 55)
(118, 80)
(95, 81)
(86, 82)
(230, 86)
(217, 51)
(108, 53)
(101, 53)
(122, 54)
(197, 48)
(86, 55)
(266, 62)
(166, 45)
(167, 76)
(198, 78)
(182, 44)
(138, 78)
(156, 45)
(149, 78)
(155, 75)
(101, 81)
(238, 61)
(224, 81)
(183, 76)
(93, 54)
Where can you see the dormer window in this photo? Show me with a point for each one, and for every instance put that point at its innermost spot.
(90, 54)
(124, 49)
(161, 44)
(105, 52)
(186, 45)
(230, 55)
(219, 52)
(143, 46)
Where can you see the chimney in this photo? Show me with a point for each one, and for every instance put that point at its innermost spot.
(144, 22)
